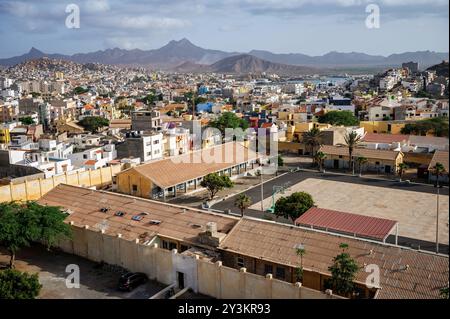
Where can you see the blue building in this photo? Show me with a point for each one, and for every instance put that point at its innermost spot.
(204, 107)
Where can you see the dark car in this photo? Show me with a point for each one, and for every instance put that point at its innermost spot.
(129, 281)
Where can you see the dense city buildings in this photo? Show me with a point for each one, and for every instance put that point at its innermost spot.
(182, 172)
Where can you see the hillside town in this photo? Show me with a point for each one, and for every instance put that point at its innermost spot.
(354, 163)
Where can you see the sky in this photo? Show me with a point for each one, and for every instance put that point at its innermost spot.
(312, 27)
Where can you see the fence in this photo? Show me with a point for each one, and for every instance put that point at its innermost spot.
(33, 190)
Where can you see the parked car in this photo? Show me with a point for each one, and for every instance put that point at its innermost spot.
(130, 281)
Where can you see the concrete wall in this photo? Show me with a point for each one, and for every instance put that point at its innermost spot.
(33, 190)
(202, 276)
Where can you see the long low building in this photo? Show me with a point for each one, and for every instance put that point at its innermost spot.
(182, 174)
(381, 161)
(262, 247)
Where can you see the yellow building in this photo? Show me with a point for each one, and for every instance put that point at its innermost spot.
(183, 174)
(383, 127)
(381, 161)
(294, 133)
(5, 138)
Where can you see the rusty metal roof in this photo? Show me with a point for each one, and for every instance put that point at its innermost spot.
(404, 273)
(347, 223)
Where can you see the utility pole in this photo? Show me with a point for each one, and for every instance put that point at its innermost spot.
(262, 189)
(437, 216)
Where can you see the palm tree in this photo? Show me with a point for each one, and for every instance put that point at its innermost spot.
(361, 161)
(352, 140)
(300, 250)
(243, 202)
(438, 170)
(313, 139)
(320, 157)
(402, 167)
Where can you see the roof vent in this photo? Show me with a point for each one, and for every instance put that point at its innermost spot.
(196, 226)
(120, 214)
(137, 218)
(154, 222)
(104, 209)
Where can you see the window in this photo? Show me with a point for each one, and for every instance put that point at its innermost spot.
(135, 188)
(240, 262)
(340, 156)
(281, 273)
(168, 245)
(268, 269)
(85, 156)
(156, 142)
(149, 153)
(377, 115)
(377, 163)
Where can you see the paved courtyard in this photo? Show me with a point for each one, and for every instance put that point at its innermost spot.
(415, 211)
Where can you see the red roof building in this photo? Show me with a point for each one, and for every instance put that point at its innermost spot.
(346, 223)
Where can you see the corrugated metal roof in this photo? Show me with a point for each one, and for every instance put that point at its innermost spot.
(361, 226)
(425, 275)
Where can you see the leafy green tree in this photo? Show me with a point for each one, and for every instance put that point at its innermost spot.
(294, 205)
(438, 170)
(93, 123)
(80, 90)
(320, 158)
(214, 183)
(313, 139)
(443, 292)
(26, 120)
(243, 202)
(352, 140)
(437, 126)
(18, 285)
(345, 118)
(361, 160)
(280, 161)
(343, 272)
(229, 120)
(402, 167)
(22, 224)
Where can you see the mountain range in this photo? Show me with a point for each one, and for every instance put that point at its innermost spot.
(184, 55)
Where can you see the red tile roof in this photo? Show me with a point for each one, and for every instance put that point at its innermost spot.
(385, 138)
(361, 226)
(90, 162)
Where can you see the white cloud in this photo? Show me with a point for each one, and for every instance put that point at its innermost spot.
(141, 22)
(97, 5)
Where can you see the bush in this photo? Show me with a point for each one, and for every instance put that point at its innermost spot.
(18, 285)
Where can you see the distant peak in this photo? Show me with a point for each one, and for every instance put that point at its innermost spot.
(182, 42)
(34, 50)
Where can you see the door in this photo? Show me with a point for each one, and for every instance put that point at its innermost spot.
(336, 164)
(387, 169)
(180, 280)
